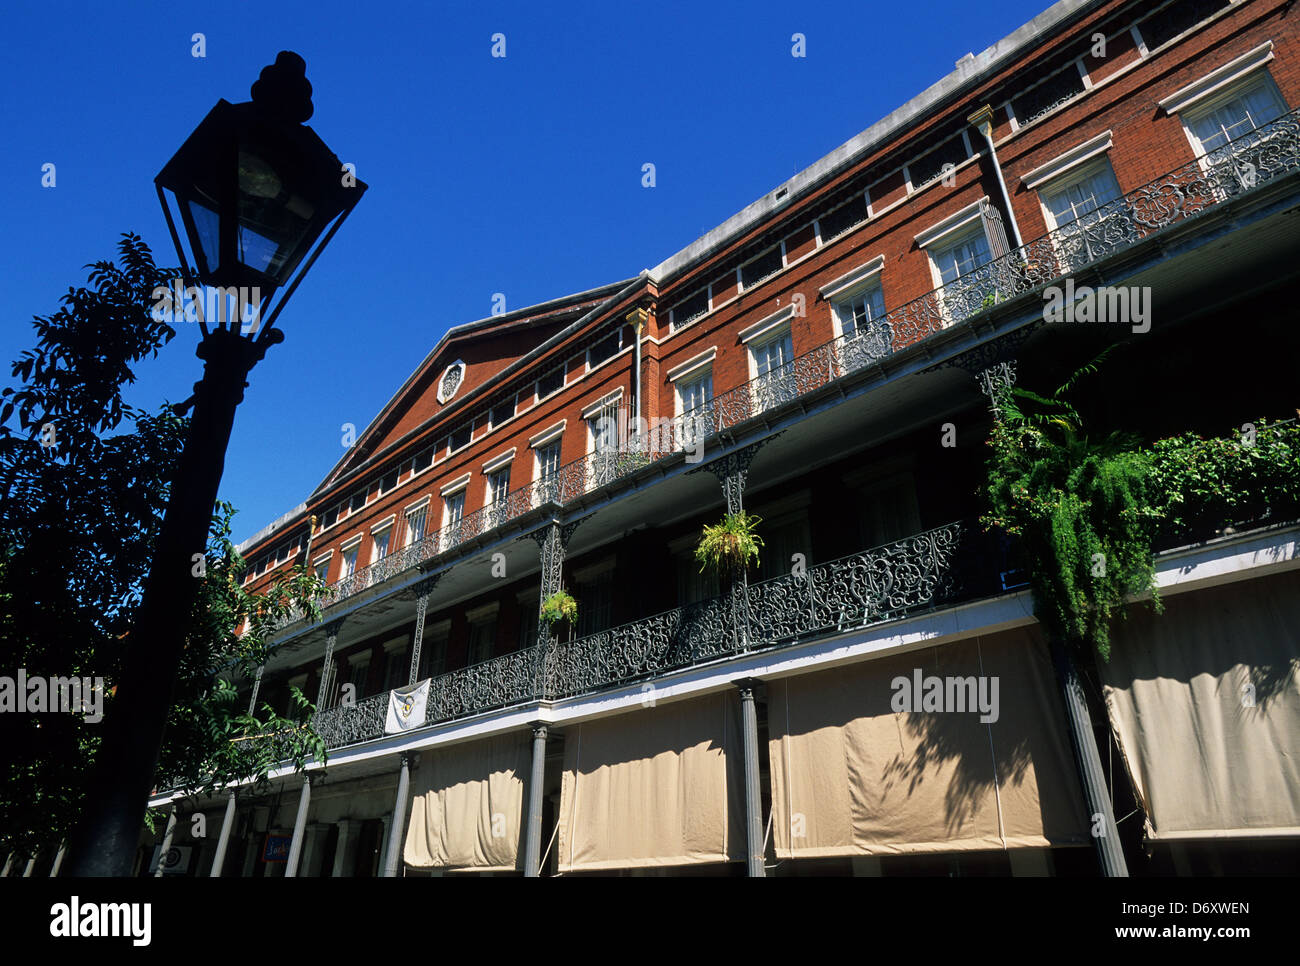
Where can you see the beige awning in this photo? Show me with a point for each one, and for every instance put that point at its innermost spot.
(467, 805)
(852, 776)
(1205, 702)
(660, 786)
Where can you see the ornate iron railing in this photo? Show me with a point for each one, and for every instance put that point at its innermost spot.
(1265, 154)
(884, 583)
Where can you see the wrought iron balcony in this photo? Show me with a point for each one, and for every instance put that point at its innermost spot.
(937, 567)
(1264, 155)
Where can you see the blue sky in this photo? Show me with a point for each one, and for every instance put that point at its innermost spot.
(519, 175)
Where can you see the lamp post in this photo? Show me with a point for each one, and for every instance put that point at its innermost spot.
(259, 197)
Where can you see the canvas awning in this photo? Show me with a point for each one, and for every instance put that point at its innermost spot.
(852, 776)
(660, 786)
(467, 805)
(1205, 703)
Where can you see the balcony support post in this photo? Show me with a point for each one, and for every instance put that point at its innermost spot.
(1088, 759)
(422, 591)
(58, 859)
(299, 827)
(397, 827)
(552, 542)
(536, 787)
(257, 686)
(223, 840)
(753, 801)
(168, 835)
(994, 380)
(331, 638)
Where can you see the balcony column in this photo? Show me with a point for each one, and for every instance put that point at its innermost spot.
(331, 638)
(30, 867)
(1091, 774)
(168, 835)
(299, 828)
(9, 864)
(58, 859)
(552, 542)
(223, 840)
(257, 687)
(536, 787)
(397, 827)
(732, 472)
(422, 591)
(994, 380)
(753, 801)
(982, 119)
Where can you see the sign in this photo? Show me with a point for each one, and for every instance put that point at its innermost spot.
(406, 708)
(276, 848)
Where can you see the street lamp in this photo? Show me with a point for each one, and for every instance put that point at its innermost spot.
(259, 197)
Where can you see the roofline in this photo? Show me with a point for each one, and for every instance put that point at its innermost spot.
(277, 524)
(970, 70)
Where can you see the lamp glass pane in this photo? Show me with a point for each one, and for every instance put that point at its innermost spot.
(206, 227)
(273, 221)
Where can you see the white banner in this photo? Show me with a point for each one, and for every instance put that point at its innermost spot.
(406, 708)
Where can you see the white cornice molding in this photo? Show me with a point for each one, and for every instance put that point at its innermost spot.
(1071, 159)
(548, 434)
(349, 543)
(422, 501)
(459, 483)
(855, 277)
(692, 364)
(954, 222)
(602, 402)
(385, 522)
(766, 325)
(496, 462)
(1216, 80)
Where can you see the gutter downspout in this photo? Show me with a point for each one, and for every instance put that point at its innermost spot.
(982, 119)
(637, 319)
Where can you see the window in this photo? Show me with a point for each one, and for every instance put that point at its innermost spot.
(502, 411)
(424, 459)
(858, 311)
(415, 521)
(1242, 110)
(605, 349)
(764, 266)
(359, 674)
(596, 592)
(397, 664)
(962, 256)
(929, 167)
(784, 535)
(330, 516)
(358, 500)
(1176, 18)
(322, 569)
(498, 490)
(381, 540)
(461, 437)
(1077, 205)
(690, 309)
(773, 360)
(837, 222)
(453, 511)
(433, 651)
(865, 335)
(388, 481)
(548, 470)
(482, 639)
(1064, 85)
(349, 560)
(550, 384)
(696, 392)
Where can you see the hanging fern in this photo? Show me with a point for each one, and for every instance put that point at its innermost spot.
(729, 544)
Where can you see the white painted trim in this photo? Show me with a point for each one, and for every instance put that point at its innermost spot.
(547, 435)
(849, 280)
(323, 558)
(385, 522)
(765, 325)
(1216, 80)
(602, 402)
(395, 645)
(456, 485)
(1069, 160)
(421, 502)
(496, 462)
(351, 542)
(950, 225)
(689, 367)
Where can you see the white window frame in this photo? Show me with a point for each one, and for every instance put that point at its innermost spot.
(379, 529)
(326, 558)
(352, 546)
(1262, 80)
(414, 508)
(1075, 175)
(950, 232)
(849, 286)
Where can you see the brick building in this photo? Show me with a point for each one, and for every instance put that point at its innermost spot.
(825, 358)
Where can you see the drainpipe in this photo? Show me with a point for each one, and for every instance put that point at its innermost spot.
(637, 319)
(982, 119)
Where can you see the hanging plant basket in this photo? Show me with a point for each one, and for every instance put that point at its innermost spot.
(560, 607)
(730, 545)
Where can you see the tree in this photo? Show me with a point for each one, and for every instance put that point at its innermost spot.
(85, 483)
